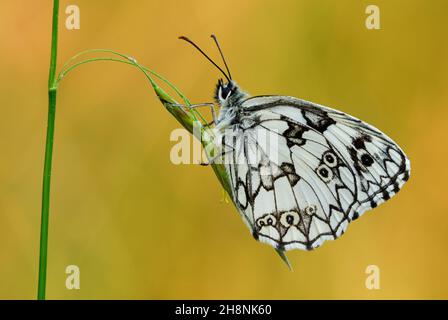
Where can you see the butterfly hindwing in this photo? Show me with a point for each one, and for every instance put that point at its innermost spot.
(300, 172)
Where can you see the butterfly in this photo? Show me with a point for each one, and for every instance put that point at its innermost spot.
(326, 170)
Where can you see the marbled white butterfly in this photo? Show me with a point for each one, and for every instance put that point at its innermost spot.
(327, 170)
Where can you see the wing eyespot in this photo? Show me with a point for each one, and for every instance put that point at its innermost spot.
(366, 159)
(325, 173)
(330, 159)
(290, 218)
(267, 220)
(310, 210)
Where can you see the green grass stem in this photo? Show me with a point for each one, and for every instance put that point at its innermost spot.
(45, 214)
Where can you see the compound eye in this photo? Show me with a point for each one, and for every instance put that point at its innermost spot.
(226, 91)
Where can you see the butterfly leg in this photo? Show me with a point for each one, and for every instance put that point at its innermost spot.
(194, 106)
(212, 160)
(221, 154)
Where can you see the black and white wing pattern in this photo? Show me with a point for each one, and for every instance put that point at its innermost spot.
(301, 172)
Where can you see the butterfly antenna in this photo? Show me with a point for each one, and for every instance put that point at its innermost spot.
(222, 55)
(205, 55)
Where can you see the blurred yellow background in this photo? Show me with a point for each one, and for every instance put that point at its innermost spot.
(140, 227)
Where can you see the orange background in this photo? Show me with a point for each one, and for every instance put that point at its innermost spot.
(139, 226)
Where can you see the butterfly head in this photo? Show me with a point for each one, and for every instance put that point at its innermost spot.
(224, 91)
(228, 93)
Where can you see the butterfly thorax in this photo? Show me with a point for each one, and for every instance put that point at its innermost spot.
(229, 96)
